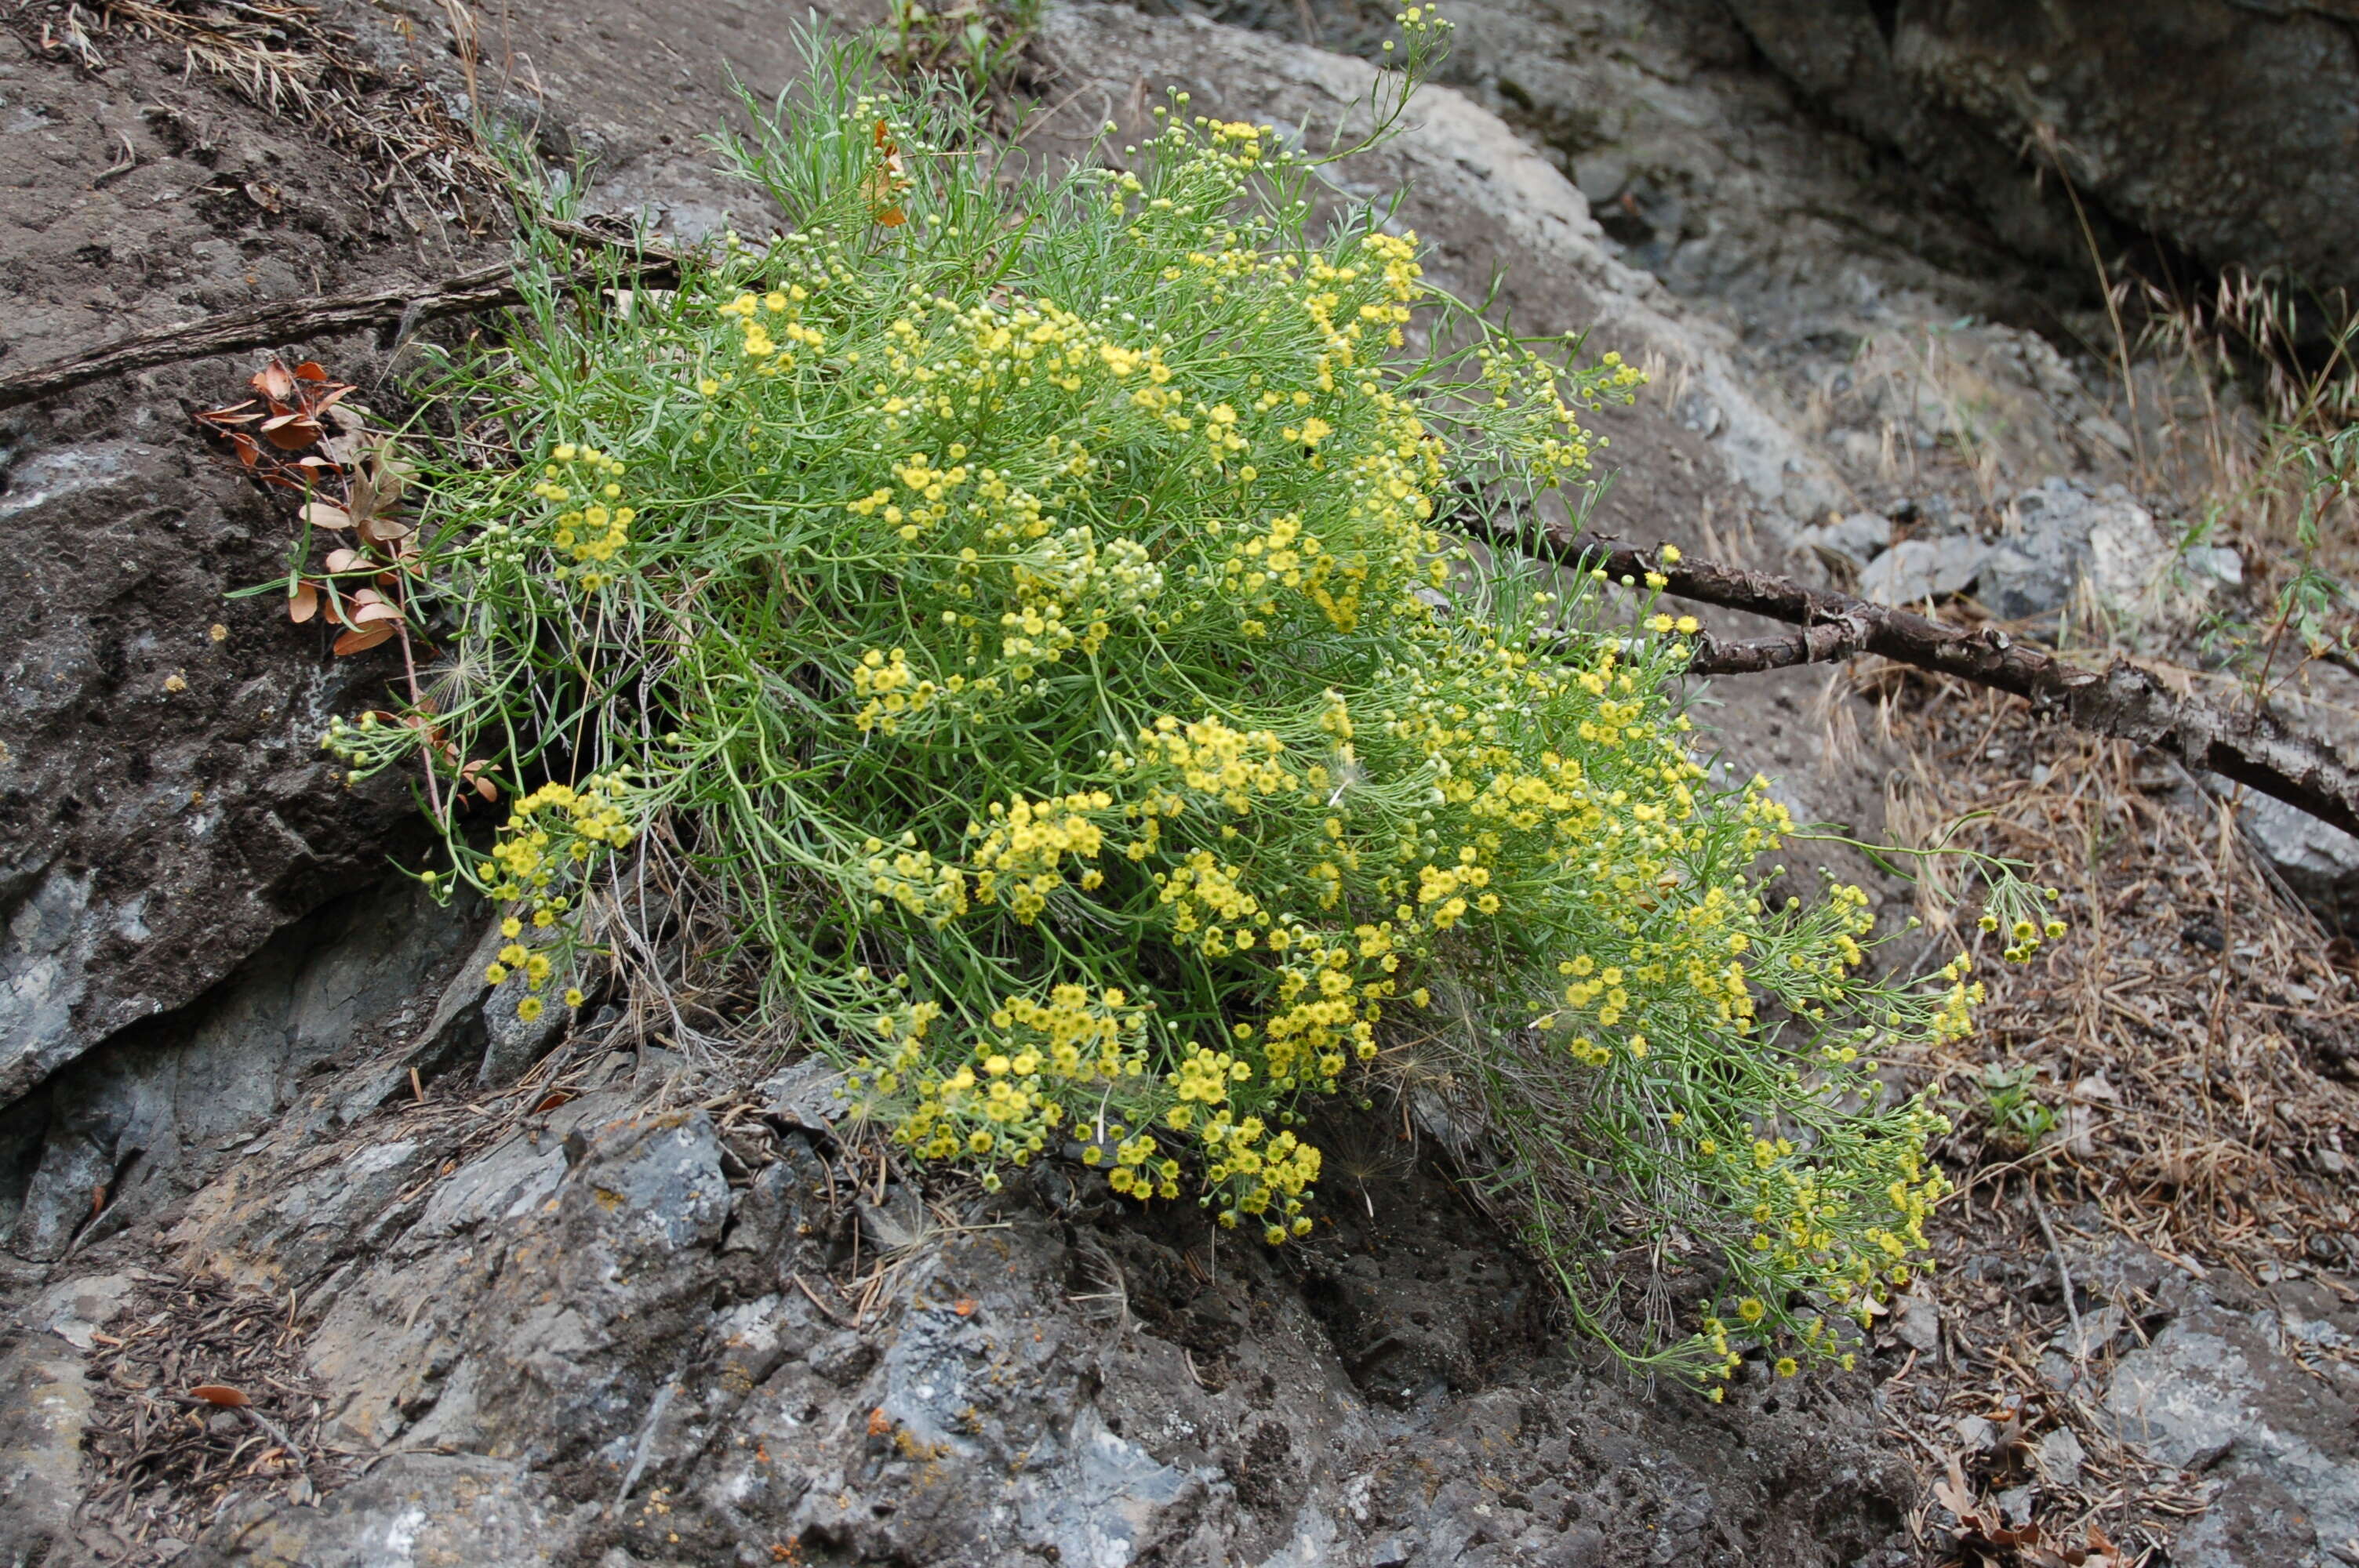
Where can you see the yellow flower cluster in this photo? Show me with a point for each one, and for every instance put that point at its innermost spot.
(552, 831)
(1020, 858)
(782, 307)
(1259, 1171)
(1209, 757)
(934, 891)
(1006, 1097)
(1054, 597)
(593, 533)
(1329, 998)
(548, 843)
(893, 690)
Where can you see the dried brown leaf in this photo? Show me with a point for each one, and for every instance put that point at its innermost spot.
(303, 603)
(1952, 1492)
(289, 432)
(326, 514)
(361, 641)
(219, 1394)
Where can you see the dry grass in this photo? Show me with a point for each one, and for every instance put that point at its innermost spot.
(2195, 1037)
(164, 1464)
(430, 167)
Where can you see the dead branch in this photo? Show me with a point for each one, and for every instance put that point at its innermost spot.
(298, 320)
(2250, 746)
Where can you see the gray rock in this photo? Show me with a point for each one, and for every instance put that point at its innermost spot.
(2061, 534)
(154, 1111)
(2320, 862)
(807, 1093)
(842, 1358)
(2214, 562)
(513, 1043)
(45, 1407)
(1916, 1322)
(187, 812)
(2223, 125)
(622, 1343)
(1600, 177)
(2214, 1393)
(2059, 1456)
(1918, 569)
(411, 1507)
(1851, 542)
(506, 1183)
(776, 1217)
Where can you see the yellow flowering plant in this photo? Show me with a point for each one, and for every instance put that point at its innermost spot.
(1028, 609)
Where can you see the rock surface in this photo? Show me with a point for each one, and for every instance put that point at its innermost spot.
(588, 1337)
(642, 1311)
(164, 806)
(2228, 128)
(164, 802)
(2223, 1394)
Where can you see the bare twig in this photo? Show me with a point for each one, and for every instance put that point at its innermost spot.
(296, 320)
(824, 1310)
(2253, 747)
(2063, 1275)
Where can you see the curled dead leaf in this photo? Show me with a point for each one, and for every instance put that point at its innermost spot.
(344, 559)
(219, 1394)
(274, 381)
(310, 370)
(326, 514)
(289, 432)
(303, 603)
(361, 641)
(369, 614)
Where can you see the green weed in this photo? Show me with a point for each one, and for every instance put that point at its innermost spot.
(1013, 624)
